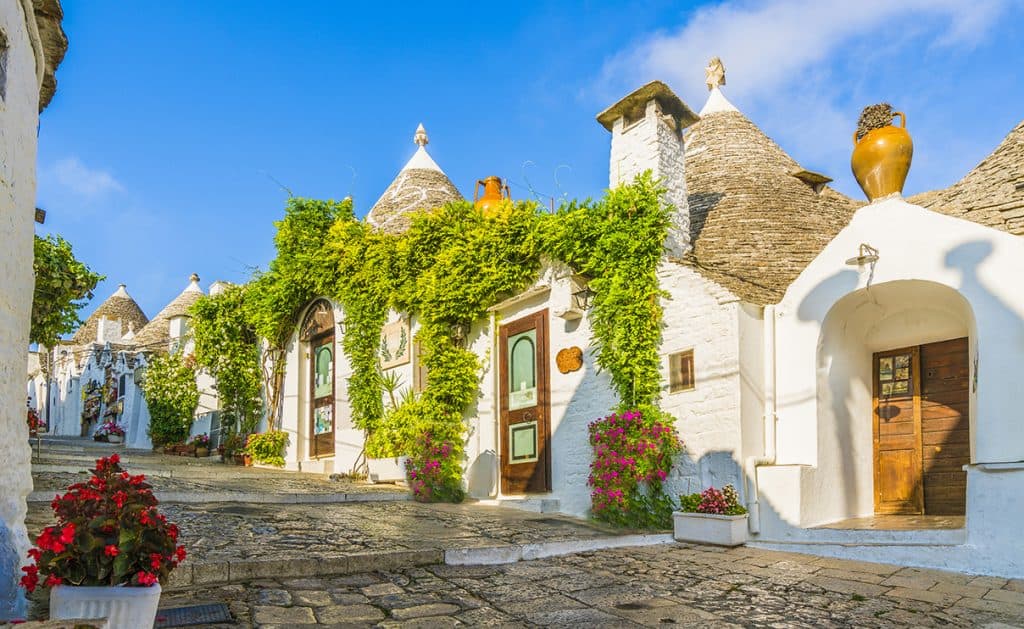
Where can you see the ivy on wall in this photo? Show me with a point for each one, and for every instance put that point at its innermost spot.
(447, 269)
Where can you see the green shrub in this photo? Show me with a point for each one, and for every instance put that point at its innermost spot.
(172, 397)
(267, 447)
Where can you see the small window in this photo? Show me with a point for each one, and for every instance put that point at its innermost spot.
(681, 377)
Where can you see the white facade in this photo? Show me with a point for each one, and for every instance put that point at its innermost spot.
(20, 83)
(936, 278)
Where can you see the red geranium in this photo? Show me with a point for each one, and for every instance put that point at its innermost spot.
(108, 532)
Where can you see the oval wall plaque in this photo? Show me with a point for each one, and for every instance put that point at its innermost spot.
(569, 359)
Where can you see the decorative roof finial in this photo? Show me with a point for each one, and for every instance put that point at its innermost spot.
(421, 136)
(714, 73)
(194, 278)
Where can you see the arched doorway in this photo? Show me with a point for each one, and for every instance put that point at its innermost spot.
(317, 332)
(895, 400)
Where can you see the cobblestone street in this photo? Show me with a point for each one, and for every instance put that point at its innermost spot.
(366, 559)
(650, 586)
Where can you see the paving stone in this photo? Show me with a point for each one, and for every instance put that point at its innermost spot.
(263, 615)
(857, 566)
(575, 618)
(915, 583)
(1006, 596)
(419, 611)
(312, 598)
(381, 589)
(989, 605)
(1016, 585)
(988, 582)
(345, 597)
(340, 614)
(280, 598)
(970, 591)
(929, 596)
(863, 577)
(847, 587)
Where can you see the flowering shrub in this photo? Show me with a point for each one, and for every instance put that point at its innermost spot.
(434, 473)
(32, 417)
(110, 428)
(108, 532)
(725, 502)
(632, 458)
(200, 441)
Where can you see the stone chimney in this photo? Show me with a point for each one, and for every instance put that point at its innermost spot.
(647, 134)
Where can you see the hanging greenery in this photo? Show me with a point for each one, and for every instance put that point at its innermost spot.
(63, 286)
(447, 269)
(226, 344)
(171, 395)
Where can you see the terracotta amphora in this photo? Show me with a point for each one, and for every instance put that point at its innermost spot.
(495, 193)
(881, 159)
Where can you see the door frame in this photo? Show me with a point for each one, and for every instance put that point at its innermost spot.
(915, 383)
(539, 321)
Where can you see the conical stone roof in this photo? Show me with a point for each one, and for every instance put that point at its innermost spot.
(992, 194)
(420, 185)
(119, 306)
(754, 226)
(157, 334)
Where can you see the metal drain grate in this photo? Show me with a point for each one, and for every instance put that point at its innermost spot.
(193, 615)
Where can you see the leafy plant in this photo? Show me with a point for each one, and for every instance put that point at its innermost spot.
(632, 458)
(267, 447)
(711, 500)
(434, 475)
(108, 532)
(63, 286)
(172, 397)
(233, 444)
(110, 428)
(227, 345)
(202, 440)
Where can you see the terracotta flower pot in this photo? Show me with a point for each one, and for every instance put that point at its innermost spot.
(881, 159)
(202, 452)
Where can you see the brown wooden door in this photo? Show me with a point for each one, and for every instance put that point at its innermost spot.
(897, 432)
(321, 389)
(922, 428)
(525, 431)
(945, 425)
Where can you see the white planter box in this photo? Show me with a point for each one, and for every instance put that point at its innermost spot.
(386, 470)
(707, 528)
(123, 607)
(114, 439)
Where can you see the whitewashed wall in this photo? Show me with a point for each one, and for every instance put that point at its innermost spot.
(18, 123)
(975, 272)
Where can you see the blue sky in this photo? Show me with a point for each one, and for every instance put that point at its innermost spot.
(159, 154)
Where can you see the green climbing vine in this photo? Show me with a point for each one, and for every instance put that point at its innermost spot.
(172, 397)
(447, 269)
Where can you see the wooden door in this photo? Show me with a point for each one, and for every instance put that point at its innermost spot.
(321, 387)
(897, 432)
(525, 431)
(945, 425)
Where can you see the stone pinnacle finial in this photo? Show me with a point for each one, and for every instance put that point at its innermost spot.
(421, 136)
(714, 73)
(194, 278)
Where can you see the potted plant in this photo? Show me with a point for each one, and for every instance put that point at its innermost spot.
(267, 448)
(33, 422)
(231, 447)
(109, 551)
(112, 432)
(711, 517)
(388, 446)
(201, 443)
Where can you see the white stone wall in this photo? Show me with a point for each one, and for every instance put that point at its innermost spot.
(651, 144)
(702, 316)
(18, 123)
(980, 267)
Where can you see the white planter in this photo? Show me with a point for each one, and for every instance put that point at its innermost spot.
(707, 528)
(386, 470)
(123, 607)
(114, 438)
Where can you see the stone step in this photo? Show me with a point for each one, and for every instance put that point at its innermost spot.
(236, 571)
(205, 497)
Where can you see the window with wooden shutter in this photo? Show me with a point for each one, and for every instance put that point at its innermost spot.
(681, 376)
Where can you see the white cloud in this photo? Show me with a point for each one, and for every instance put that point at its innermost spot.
(70, 173)
(770, 44)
